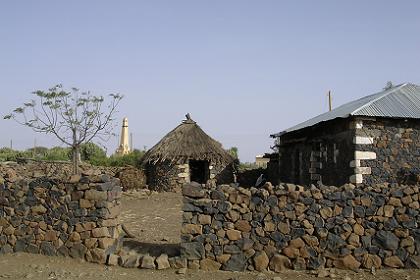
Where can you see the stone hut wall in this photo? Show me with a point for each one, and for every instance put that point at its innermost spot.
(272, 171)
(78, 218)
(396, 147)
(168, 176)
(248, 177)
(131, 178)
(223, 174)
(274, 228)
(163, 176)
(318, 153)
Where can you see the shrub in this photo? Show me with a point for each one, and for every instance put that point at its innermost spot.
(58, 153)
(132, 159)
(7, 154)
(92, 153)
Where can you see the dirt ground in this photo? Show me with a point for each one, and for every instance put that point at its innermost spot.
(156, 220)
(26, 266)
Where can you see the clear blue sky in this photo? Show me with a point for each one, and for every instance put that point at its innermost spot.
(243, 69)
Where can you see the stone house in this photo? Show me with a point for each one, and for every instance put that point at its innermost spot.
(184, 155)
(371, 140)
(261, 161)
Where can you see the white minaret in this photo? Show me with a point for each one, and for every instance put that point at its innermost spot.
(124, 147)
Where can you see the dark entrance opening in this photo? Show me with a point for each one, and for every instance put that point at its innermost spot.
(199, 171)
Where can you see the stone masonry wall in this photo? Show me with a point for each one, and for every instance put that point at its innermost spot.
(168, 176)
(232, 228)
(78, 218)
(395, 145)
(163, 176)
(318, 153)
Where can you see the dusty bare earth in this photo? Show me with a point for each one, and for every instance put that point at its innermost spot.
(26, 266)
(156, 220)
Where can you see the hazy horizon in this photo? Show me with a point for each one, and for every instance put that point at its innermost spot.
(242, 69)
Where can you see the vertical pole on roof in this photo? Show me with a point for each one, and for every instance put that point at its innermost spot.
(131, 141)
(329, 100)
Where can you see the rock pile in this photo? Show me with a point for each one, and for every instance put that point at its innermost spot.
(146, 261)
(132, 178)
(31, 170)
(288, 226)
(77, 218)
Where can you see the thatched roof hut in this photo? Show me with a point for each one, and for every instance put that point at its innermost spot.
(185, 154)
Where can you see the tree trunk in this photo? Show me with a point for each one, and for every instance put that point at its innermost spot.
(75, 150)
(76, 156)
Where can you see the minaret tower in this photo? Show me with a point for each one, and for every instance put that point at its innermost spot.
(124, 147)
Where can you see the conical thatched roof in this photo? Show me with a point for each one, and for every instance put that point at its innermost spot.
(187, 141)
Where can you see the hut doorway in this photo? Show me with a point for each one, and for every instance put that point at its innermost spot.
(199, 171)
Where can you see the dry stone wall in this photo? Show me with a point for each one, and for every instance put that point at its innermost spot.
(287, 226)
(395, 146)
(78, 218)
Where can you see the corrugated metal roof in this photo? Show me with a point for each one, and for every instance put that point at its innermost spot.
(402, 101)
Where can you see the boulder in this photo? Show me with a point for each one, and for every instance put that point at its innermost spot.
(192, 229)
(233, 235)
(280, 263)
(297, 243)
(78, 251)
(347, 262)
(370, 261)
(113, 260)
(98, 255)
(243, 226)
(204, 219)
(387, 240)
(100, 232)
(95, 195)
(148, 262)
(261, 261)
(236, 262)
(129, 261)
(192, 250)
(209, 265)
(393, 262)
(163, 262)
(193, 190)
(38, 209)
(291, 252)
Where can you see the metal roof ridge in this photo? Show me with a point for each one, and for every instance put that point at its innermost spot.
(382, 95)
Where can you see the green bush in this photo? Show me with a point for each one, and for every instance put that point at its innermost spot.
(58, 153)
(36, 152)
(7, 154)
(90, 153)
(233, 152)
(132, 159)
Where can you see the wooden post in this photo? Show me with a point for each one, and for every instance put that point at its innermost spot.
(329, 100)
(34, 151)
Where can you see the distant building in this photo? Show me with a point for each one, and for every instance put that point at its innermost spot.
(261, 161)
(124, 147)
(371, 140)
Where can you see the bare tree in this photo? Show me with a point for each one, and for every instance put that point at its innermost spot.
(73, 117)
